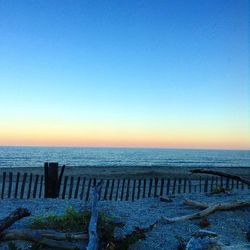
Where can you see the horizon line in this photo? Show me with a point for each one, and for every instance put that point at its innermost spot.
(126, 147)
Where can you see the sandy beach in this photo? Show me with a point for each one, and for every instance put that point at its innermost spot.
(231, 226)
(129, 171)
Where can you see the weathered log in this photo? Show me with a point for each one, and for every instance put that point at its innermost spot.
(93, 236)
(193, 216)
(222, 206)
(207, 209)
(219, 173)
(196, 204)
(36, 236)
(49, 234)
(16, 215)
(55, 235)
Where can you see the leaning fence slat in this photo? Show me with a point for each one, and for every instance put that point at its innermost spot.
(10, 184)
(162, 186)
(106, 190)
(133, 190)
(237, 184)
(64, 186)
(150, 187)
(41, 187)
(127, 193)
(206, 185)
(77, 187)
(3, 184)
(168, 187)
(189, 186)
(123, 187)
(88, 190)
(35, 186)
(71, 187)
(227, 183)
(82, 189)
(100, 196)
(232, 183)
(23, 185)
(212, 184)
(216, 181)
(139, 189)
(156, 187)
(221, 182)
(242, 185)
(17, 184)
(185, 184)
(179, 185)
(112, 188)
(173, 190)
(117, 189)
(30, 183)
(144, 188)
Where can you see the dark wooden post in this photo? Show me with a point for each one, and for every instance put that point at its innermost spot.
(51, 179)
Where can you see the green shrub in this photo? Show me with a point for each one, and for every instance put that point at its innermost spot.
(70, 221)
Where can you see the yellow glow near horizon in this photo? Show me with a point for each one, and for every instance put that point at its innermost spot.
(105, 135)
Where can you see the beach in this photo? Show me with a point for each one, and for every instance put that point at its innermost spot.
(231, 226)
(129, 171)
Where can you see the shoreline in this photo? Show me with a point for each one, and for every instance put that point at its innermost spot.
(128, 171)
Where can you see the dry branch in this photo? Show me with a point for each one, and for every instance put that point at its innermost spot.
(219, 173)
(222, 206)
(196, 204)
(41, 237)
(93, 236)
(16, 215)
(55, 235)
(193, 216)
(207, 209)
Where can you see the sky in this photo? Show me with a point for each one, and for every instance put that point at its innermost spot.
(171, 74)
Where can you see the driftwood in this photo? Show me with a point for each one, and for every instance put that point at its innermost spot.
(48, 238)
(18, 214)
(44, 237)
(49, 234)
(222, 206)
(219, 173)
(93, 236)
(207, 209)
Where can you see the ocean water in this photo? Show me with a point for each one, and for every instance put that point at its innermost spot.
(36, 156)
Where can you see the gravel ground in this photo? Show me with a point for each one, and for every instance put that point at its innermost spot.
(232, 226)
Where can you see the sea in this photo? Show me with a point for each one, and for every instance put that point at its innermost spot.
(76, 156)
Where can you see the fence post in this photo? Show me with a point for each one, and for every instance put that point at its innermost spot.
(51, 180)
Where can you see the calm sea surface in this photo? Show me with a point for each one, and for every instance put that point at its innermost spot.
(36, 156)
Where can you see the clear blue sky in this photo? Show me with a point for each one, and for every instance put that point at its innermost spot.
(151, 66)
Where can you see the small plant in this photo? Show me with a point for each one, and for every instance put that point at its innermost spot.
(78, 221)
(70, 221)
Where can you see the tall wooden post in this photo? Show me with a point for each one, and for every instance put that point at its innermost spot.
(51, 180)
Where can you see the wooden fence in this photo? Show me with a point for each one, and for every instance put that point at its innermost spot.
(29, 186)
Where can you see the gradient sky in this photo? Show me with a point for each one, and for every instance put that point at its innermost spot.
(125, 73)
